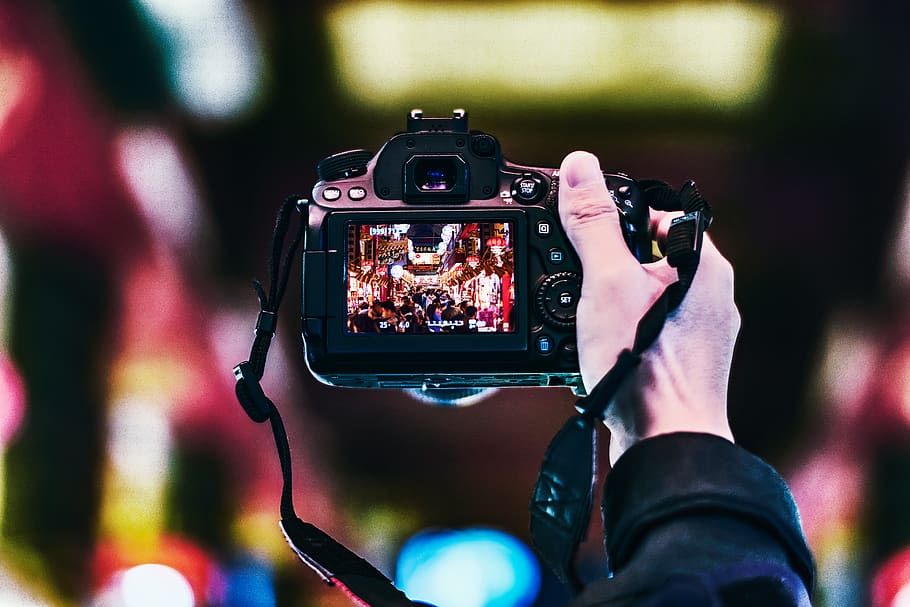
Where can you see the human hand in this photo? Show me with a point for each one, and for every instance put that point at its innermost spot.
(681, 383)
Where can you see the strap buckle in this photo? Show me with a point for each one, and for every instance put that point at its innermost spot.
(267, 322)
(249, 393)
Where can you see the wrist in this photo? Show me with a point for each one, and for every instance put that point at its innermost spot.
(663, 396)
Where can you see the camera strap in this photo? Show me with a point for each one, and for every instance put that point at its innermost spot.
(334, 563)
(561, 503)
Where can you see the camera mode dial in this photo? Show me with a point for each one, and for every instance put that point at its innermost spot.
(557, 299)
(343, 165)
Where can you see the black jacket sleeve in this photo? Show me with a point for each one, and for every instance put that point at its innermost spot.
(692, 519)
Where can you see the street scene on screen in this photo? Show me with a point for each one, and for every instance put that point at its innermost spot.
(429, 278)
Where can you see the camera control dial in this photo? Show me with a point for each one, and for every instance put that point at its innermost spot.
(557, 299)
(343, 165)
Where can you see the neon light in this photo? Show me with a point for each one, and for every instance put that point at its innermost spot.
(389, 54)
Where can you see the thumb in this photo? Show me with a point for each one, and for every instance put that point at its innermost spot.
(587, 212)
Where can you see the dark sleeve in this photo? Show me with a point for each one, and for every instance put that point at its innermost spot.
(694, 513)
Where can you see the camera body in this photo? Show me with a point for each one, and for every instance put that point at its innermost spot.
(438, 264)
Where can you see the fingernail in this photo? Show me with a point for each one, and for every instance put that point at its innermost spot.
(583, 169)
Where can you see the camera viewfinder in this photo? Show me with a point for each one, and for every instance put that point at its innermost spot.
(436, 177)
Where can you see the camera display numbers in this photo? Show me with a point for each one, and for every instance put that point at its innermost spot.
(430, 278)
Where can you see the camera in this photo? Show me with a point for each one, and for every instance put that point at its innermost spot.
(438, 264)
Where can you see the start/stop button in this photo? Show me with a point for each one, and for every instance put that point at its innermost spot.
(527, 189)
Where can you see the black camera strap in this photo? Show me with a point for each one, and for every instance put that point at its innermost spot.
(563, 494)
(334, 563)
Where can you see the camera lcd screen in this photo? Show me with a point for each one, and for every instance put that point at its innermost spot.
(430, 278)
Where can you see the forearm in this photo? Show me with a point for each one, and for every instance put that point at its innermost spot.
(696, 505)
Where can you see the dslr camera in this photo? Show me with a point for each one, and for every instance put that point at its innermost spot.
(438, 264)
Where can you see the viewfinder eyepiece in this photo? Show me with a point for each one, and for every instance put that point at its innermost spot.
(435, 174)
(436, 177)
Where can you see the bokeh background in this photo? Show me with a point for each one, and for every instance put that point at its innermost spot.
(146, 145)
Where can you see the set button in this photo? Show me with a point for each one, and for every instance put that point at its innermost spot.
(566, 299)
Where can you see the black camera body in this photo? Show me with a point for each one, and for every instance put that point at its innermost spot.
(438, 264)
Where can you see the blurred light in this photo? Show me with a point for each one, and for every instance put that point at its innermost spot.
(715, 55)
(18, 82)
(12, 401)
(139, 450)
(155, 173)
(139, 443)
(849, 362)
(6, 279)
(12, 411)
(115, 557)
(249, 584)
(452, 397)
(380, 530)
(255, 530)
(891, 583)
(903, 381)
(901, 257)
(838, 564)
(470, 568)
(13, 595)
(154, 585)
(12, 386)
(216, 65)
